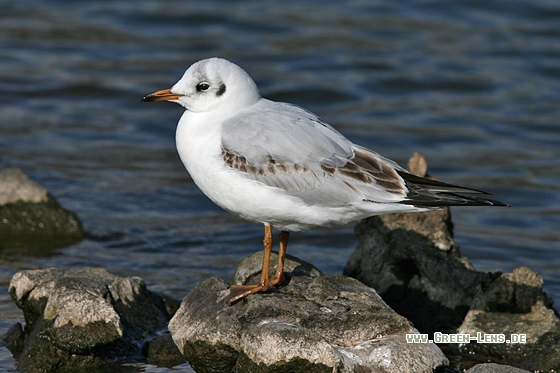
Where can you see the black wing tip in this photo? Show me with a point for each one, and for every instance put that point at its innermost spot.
(477, 201)
(424, 192)
(429, 183)
(452, 199)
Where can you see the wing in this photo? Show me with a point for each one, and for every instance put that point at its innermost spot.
(287, 147)
(288, 133)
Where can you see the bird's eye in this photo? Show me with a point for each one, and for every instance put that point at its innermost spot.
(202, 87)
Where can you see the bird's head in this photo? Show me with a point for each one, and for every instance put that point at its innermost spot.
(210, 84)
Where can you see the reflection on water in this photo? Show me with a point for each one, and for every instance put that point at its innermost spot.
(474, 86)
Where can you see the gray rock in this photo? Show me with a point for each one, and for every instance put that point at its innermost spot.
(79, 318)
(249, 270)
(495, 368)
(161, 350)
(310, 324)
(415, 265)
(412, 260)
(15, 186)
(439, 291)
(31, 218)
(515, 304)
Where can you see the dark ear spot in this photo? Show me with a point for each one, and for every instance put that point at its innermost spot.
(222, 90)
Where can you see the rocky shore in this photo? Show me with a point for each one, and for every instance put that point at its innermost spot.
(406, 279)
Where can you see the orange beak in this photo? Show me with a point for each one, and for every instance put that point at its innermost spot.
(163, 95)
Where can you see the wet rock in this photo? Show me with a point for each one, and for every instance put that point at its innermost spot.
(249, 270)
(310, 324)
(514, 305)
(80, 318)
(439, 291)
(414, 264)
(161, 350)
(30, 217)
(494, 368)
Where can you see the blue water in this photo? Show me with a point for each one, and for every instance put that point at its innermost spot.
(472, 85)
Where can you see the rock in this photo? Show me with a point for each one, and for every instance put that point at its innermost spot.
(439, 291)
(14, 339)
(30, 217)
(309, 324)
(515, 304)
(417, 165)
(15, 186)
(161, 350)
(495, 368)
(414, 264)
(249, 270)
(79, 318)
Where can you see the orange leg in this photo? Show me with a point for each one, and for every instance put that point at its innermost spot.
(279, 276)
(241, 291)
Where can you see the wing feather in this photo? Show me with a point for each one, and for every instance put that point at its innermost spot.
(287, 147)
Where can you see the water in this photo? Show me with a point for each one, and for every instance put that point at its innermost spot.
(473, 85)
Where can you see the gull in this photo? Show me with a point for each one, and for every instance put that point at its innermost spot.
(282, 166)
